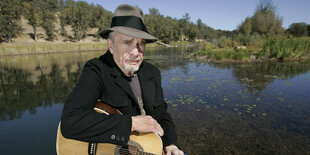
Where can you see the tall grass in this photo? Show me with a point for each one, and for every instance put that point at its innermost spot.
(279, 47)
(49, 48)
(287, 48)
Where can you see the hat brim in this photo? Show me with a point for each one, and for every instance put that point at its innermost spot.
(130, 32)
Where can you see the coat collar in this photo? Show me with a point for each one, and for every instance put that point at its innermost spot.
(145, 75)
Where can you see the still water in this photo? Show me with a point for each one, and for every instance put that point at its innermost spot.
(218, 108)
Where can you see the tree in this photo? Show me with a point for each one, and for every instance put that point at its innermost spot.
(264, 21)
(80, 19)
(62, 18)
(298, 29)
(246, 27)
(48, 9)
(9, 19)
(200, 24)
(185, 20)
(100, 18)
(191, 31)
(188, 28)
(265, 6)
(32, 13)
(154, 12)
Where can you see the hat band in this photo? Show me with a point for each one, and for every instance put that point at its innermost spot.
(129, 21)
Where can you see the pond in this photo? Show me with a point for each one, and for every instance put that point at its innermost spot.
(218, 108)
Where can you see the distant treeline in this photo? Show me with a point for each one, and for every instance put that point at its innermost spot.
(81, 16)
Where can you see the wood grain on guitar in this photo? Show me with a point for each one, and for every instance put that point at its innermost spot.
(140, 143)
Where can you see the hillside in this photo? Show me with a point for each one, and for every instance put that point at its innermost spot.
(24, 38)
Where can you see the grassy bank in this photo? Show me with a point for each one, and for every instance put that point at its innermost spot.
(34, 48)
(281, 48)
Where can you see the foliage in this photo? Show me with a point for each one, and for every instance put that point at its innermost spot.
(80, 19)
(48, 9)
(298, 29)
(9, 17)
(227, 43)
(264, 21)
(62, 18)
(100, 18)
(163, 28)
(32, 13)
(248, 39)
(286, 47)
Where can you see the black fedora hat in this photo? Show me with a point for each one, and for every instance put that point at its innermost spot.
(129, 21)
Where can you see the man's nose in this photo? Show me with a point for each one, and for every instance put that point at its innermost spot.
(135, 51)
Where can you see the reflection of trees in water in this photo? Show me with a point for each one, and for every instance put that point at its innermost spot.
(23, 90)
(18, 92)
(258, 76)
(167, 58)
(165, 64)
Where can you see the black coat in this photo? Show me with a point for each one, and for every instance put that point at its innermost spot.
(102, 79)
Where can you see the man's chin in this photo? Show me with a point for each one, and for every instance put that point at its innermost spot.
(131, 68)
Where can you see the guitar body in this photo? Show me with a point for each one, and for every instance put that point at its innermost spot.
(140, 143)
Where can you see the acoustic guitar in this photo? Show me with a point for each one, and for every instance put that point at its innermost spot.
(140, 143)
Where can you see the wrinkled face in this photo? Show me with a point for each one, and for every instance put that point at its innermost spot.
(127, 52)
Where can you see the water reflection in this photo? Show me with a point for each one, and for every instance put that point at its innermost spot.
(27, 83)
(219, 108)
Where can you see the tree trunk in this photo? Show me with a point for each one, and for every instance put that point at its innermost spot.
(35, 32)
(7, 39)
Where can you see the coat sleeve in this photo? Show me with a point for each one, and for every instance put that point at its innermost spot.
(79, 121)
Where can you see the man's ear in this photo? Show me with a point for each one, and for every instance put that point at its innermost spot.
(110, 45)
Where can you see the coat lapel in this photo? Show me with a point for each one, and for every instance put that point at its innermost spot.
(117, 75)
(147, 88)
(123, 83)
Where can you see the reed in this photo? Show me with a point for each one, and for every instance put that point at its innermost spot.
(51, 48)
(286, 47)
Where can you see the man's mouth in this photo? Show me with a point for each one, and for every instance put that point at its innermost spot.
(133, 62)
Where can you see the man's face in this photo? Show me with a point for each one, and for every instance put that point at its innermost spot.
(127, 52)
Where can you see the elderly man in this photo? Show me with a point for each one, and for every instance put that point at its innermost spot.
(123, 80)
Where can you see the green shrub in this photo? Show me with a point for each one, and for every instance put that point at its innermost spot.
(241, 54)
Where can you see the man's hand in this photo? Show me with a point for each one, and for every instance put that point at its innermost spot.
(146, 124)
(173, 150)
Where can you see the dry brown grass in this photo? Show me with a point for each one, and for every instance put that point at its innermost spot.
(23, 43)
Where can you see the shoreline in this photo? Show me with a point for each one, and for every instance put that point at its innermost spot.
(42, 53)
(71, 47)
(258, 60)
(63, 47)
(48, 48)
